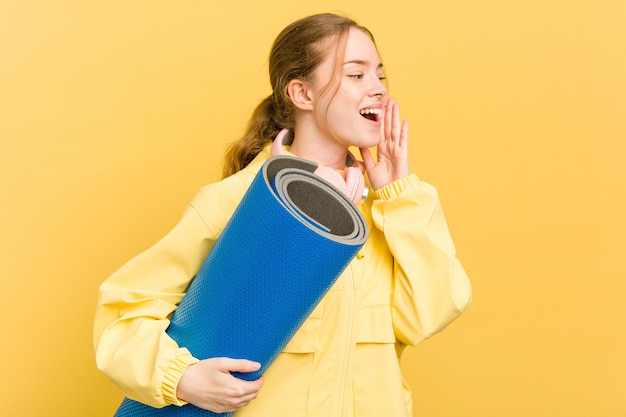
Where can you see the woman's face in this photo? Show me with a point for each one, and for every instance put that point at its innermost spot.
(354, 115)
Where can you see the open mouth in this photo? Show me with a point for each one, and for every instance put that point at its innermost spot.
(371, 113)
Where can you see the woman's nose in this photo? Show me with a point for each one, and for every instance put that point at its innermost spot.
(379, 88)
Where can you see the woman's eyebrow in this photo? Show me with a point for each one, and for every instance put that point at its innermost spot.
(361, 62)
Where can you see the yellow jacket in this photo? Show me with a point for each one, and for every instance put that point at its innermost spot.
(404, 286)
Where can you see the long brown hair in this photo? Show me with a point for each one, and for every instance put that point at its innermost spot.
(296, 53)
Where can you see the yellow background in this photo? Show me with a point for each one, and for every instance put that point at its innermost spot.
(113, 113)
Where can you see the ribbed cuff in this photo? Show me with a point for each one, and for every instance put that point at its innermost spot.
(173, 373)
(394, 189)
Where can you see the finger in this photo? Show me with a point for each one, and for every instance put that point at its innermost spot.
(404, 136)
(388, 118)
(368, 159)
(252, 388)
(242, 401)
(360, 165)
(244, 390)
(396, 127)
(239, 365)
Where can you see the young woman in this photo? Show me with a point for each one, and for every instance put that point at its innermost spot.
(404, 286)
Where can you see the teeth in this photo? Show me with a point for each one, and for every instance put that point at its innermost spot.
(370, 111)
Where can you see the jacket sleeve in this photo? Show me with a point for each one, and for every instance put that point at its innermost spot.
(430, 287)
(133, 312)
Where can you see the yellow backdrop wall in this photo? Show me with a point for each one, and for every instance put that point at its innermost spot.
(112, 115)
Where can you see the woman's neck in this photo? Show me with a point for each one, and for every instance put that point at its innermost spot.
(319, 147)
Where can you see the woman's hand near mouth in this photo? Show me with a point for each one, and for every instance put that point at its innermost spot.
(392, 150)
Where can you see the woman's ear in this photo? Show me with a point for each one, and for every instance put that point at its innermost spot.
(300, 94)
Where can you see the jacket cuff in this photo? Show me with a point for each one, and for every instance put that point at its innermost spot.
(172, 375)
(394, 189)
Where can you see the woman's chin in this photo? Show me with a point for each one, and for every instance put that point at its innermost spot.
(369, 142)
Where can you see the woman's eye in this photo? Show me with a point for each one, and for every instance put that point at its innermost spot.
(356, 76)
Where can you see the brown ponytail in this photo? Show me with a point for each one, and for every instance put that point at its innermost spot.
(296, 53)
(261, 130)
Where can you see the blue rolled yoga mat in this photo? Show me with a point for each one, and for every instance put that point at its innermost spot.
(288, 240)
